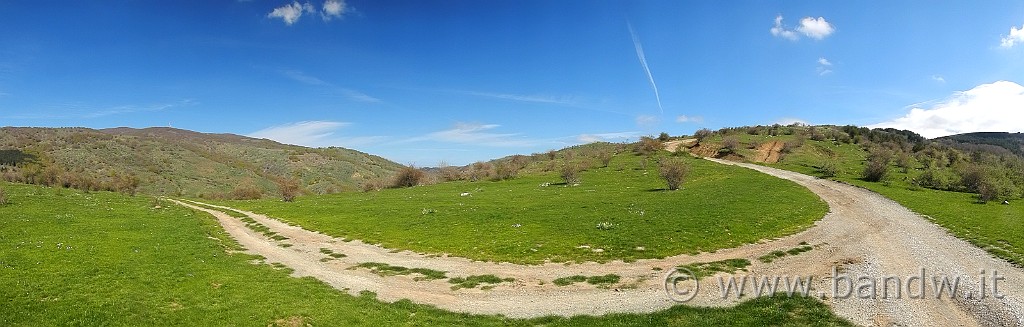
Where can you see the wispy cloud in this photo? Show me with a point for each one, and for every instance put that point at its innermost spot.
(609, 137)
(314, 134)
(938, 78)
(815, 28)
(476, 134)
(351, 94)
(643, 62)
(781, 31)
(689, 119)
(1015, 37)
(82, 111)
(994, 107)
(559, 100)
(824, 66)
(646, 120)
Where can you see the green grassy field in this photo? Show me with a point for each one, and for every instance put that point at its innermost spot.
(98, 259)
(618, 212)
(994, 227)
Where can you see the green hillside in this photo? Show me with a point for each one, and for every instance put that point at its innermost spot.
(169, 161)
(958, 182)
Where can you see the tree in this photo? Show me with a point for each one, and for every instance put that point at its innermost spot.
(674, 172)
(407, 176)
(664, 137)
(289, 188)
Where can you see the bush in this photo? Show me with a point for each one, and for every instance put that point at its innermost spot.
(375, 184)
(408, 176)
(829, 168)
(246, 191)
(605, 157)
(674, 172)
(479, 171)
(647, 145)
(289, 188)
(570, 173)
(448, 173)
(729, 145)
(876, 170)
(504, 170)
(702, 134)
(664, 137)
(3, 197)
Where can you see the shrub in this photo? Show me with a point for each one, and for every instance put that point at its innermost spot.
(904, 161)
(605, 157)
(448, 173)
(829, 168)
(570, 173)
(3, 197)
(674, 172)
(289, 188)
(479, 171)
(647, 145)
(375, 184)
(246, 191)
(504, 170)
(876, 170)
(702, 134)
(407, 176)
(729, 145)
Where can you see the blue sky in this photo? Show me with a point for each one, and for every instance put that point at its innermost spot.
(460, 81)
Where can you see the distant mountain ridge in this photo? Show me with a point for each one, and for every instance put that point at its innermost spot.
(170, 161)
(1013, 142)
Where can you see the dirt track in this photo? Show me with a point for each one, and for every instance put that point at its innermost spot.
(865, 234)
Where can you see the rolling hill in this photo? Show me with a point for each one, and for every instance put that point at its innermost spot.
(168, 161)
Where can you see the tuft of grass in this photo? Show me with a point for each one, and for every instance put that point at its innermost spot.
(332, 254)
(475, 280)
(705, 269)
(384, 269)
(767, 258)
(566, 281)
(603, 280)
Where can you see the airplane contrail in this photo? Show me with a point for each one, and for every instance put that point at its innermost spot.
(643, 62)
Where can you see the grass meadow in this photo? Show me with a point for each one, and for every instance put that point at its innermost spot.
(619, 212)
(106, 259)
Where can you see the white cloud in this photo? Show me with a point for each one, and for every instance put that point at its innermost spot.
(781, 31)
(815, 28)
(333, 9)
(290, 13)
(646, 120)
(994, 107)
(315, 81)
(938, 78)
(689, 119)
(314, 134)
(824, 66)
(303, 77)
(1015, 37)
(476, 134)
(643, 63)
